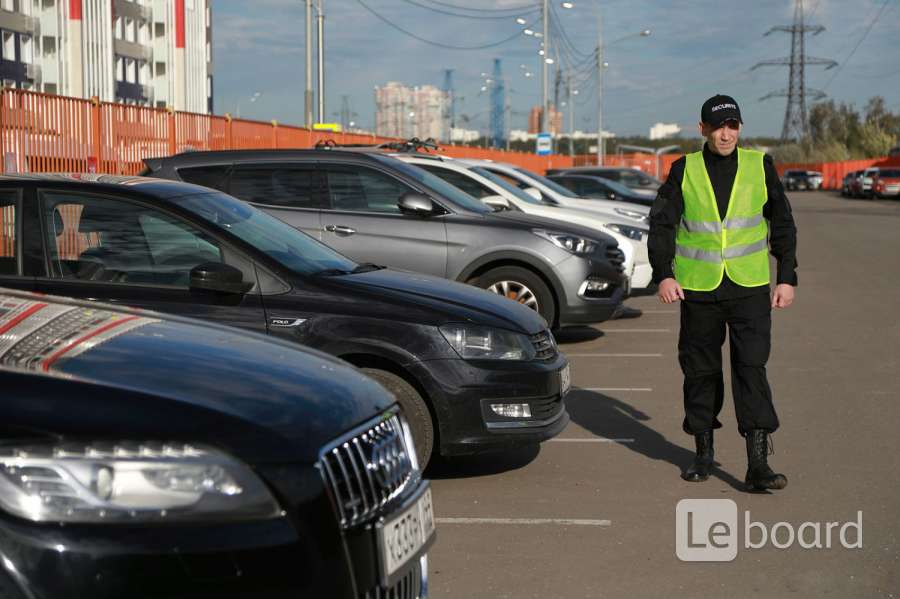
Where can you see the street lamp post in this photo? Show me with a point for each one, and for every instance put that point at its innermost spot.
(308, 94)
(601, 64)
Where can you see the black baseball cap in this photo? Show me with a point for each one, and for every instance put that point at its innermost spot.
(719, 109)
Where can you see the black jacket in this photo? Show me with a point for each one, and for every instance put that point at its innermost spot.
(669, 206)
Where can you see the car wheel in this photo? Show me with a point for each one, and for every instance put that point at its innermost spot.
(523, 286)
(414, 409)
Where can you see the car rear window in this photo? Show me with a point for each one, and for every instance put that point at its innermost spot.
(214, 177)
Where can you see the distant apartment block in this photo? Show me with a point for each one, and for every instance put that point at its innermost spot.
(142, 52)
(405, 112)
(664, 130)
(554, 126)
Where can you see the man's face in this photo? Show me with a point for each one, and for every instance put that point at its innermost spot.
(722, 140)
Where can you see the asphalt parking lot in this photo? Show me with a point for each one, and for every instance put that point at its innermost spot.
(592, 513)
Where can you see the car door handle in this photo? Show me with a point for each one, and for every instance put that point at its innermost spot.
(340, 230)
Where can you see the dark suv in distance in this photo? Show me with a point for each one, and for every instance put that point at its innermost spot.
(148, 456)
(374, 208)
(794, 179)
(471, 370)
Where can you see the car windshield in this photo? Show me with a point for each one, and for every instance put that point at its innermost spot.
(615, 186)
(506, 185)
(555, 187)
(435, 183)
(280, 241)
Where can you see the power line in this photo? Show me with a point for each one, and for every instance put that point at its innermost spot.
(465, 16)
(494, 10)
(387, 21)
(861, 40)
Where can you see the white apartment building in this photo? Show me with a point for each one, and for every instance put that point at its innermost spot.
(144, 52)
(664, 130)
(406, 112)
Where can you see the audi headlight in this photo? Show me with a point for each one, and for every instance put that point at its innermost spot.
(629, 232)
(632, 214)
(486, 343)
(568, 242)
(128, 483)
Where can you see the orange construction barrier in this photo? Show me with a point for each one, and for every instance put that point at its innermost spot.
(48, 133)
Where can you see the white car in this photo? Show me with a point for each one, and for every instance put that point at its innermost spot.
(474, 178)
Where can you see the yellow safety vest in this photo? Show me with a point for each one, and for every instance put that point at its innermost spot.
(707, 245)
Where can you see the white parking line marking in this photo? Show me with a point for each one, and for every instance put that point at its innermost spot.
(556, 521)
(637, 330)
(641, 389)
(568, 355)
(590, 440)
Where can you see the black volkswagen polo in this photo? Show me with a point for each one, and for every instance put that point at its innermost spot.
(472, 370)
(144, 455)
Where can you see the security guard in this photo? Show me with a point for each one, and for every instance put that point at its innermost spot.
(711, 228)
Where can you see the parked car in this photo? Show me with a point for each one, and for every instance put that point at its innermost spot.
(794, 179)
(374, 208)
(544, 189)
(847, 185)
(865, 182)
(886, 183)
(634, 178)
(590, 186)
(472, 370)
(474, 179)
(146, 456)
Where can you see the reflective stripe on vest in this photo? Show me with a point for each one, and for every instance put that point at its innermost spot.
(706, 245)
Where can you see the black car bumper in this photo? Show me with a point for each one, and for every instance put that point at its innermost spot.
(304, 554)
(229, 561)
(462, 392)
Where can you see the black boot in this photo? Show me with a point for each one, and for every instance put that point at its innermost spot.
(698, 471)
(759, 475)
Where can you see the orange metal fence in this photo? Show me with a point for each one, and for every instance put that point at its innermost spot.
(48, 133)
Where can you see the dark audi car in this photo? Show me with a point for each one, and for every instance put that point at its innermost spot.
(472, 370)
(145, 456)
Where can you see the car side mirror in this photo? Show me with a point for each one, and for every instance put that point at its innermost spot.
(498, 203)
(216, 276)
(416, 203)
(534, 192)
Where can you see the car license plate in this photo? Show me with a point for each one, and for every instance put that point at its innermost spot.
(565, 380)
(401, 539)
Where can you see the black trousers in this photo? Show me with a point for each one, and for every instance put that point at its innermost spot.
(749, 324)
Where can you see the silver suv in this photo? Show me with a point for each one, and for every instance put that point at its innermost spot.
(374, 208)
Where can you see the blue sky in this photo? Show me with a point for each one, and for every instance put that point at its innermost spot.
(697, 48)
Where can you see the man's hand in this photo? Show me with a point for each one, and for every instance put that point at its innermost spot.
(783, 296)
(670, 291)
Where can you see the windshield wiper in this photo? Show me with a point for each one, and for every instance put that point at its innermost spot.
(366, 267)
(332, 272)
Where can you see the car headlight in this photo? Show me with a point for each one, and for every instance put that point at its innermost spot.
(629, 232)
(568, 242)
(129, 482)
(632, 214)
(486, 343)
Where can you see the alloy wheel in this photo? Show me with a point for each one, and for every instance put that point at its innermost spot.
(517, 292)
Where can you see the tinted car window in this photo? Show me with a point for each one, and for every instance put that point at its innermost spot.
(548, 183)
(284, 184)
(8, 233)
(457, 179)
(215, 177)
(507, 184)
(889, 173)
(363, 189)
(108, 239)
(435, 183)
(280, 241)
